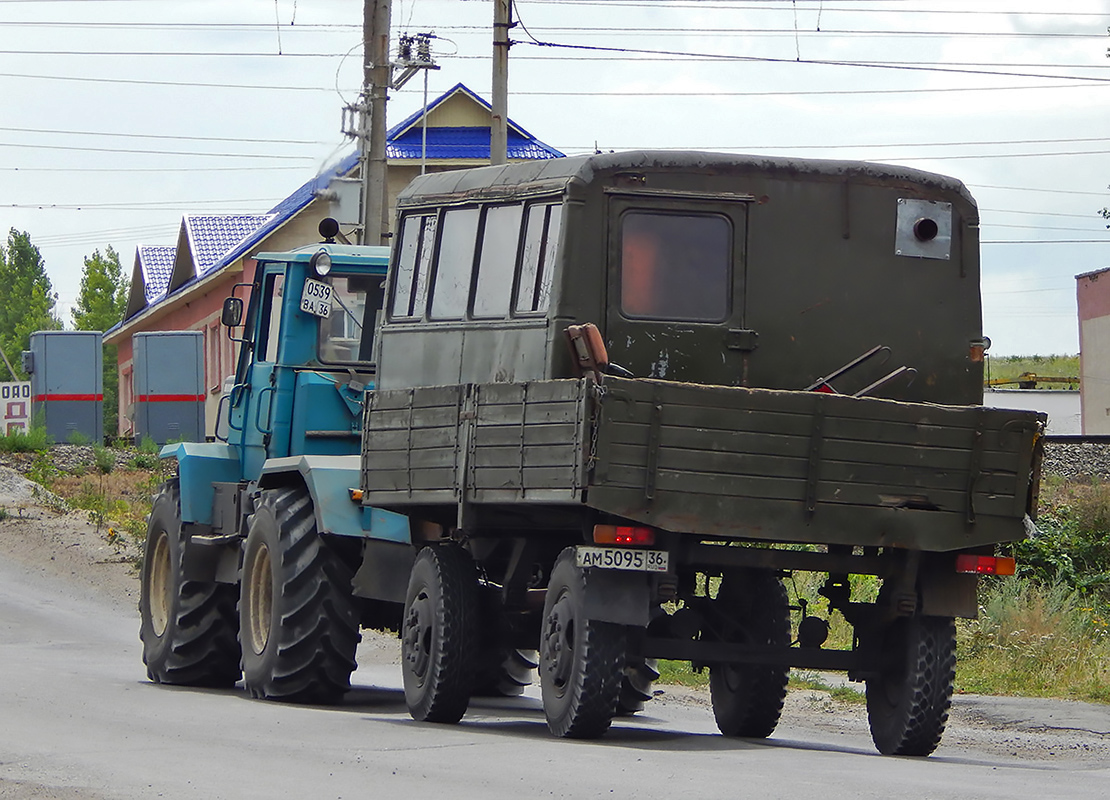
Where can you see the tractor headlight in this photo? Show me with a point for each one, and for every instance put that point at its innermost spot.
(320, 262)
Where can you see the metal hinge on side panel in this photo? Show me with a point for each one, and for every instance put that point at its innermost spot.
(741, 339)
(652, 461)
(816, 441)
(523, 428)
(973, 469)
(408, 443)
(467, 402)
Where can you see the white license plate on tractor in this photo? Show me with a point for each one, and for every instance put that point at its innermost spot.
(623, 558)
(316, 298)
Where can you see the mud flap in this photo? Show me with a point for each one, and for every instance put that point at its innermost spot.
(618, 596)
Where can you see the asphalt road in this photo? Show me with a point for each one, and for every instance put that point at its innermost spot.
(78, 720)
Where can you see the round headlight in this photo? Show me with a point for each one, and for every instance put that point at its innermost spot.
(320, 262)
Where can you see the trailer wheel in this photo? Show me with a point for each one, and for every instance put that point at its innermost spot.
(438, 634)
(188, 628)
(640, 675)
(907, 705)
(747, 698)
(299, 622)
(581, 661)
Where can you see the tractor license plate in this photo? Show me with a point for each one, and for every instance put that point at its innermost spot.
(623, 558)
(316, 298)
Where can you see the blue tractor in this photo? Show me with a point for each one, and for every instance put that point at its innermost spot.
(252, 551)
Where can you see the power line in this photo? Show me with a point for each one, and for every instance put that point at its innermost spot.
(959, 68)
(154, 152)
(148, 169)
(192, 84)
(162, 136)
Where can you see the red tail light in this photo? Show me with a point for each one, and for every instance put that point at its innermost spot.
(623, 534)
(985, 565)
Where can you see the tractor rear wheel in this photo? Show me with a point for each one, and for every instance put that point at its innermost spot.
(299, 622)
(188, 627)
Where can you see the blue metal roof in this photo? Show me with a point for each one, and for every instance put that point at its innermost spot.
(469, 143)
(156, 265)
(403, 140)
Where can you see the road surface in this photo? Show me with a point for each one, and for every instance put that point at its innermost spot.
(78, 720)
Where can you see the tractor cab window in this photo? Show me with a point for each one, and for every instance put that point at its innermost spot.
(346, 335)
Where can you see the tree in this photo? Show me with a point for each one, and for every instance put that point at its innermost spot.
(27, 300)
(100, 305)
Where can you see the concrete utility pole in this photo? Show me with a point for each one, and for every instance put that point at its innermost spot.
(375, 85)
(499, 121)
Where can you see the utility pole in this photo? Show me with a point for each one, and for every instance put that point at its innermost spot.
(375, 84)
(499, 120)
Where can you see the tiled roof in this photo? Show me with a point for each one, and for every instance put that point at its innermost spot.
(468, 143)
(213, 236)
(156, 264)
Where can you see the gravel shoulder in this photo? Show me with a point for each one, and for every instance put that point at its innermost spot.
(39, 532)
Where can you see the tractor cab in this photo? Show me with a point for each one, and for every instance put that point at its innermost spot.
(306, 352)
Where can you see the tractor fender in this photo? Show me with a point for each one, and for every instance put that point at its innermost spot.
(329, 481)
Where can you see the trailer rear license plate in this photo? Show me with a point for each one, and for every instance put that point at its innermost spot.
(623, 558)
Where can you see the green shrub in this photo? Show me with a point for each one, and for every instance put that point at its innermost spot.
(104, 459)
(18, 440)
(77, 438)
(148, 446)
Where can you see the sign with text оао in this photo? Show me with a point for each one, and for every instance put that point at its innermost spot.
(15, 407)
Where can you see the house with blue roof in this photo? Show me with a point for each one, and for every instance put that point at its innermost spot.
(182, 287)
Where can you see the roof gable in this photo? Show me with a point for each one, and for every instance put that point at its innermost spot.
(459, 128)
(150, 276)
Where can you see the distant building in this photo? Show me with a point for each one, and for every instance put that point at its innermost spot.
(182, 287)
(1061, 405)
(1092, 291)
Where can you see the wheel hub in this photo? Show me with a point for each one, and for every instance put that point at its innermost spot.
(260, 599)
(159, 585)
(558, 642)
(416, 636)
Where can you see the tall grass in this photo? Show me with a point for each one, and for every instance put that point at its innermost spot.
(1035, 640)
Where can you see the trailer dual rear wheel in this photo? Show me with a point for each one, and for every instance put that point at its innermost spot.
(438, 634)
(907, 706)
(188, 627)
(581, 660)
(299, 622)
(748, 698)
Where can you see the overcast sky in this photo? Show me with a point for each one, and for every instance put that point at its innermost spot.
(120, 116)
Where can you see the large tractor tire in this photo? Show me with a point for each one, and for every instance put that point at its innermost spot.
(581, 661)
(907, 705)
(748, 698)
(299, 622)
(439, 634)
(188, 628)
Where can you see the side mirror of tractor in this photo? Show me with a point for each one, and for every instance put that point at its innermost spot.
(232, 315)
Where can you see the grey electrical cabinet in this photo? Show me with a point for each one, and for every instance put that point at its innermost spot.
(168, 388)
(67, 384)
